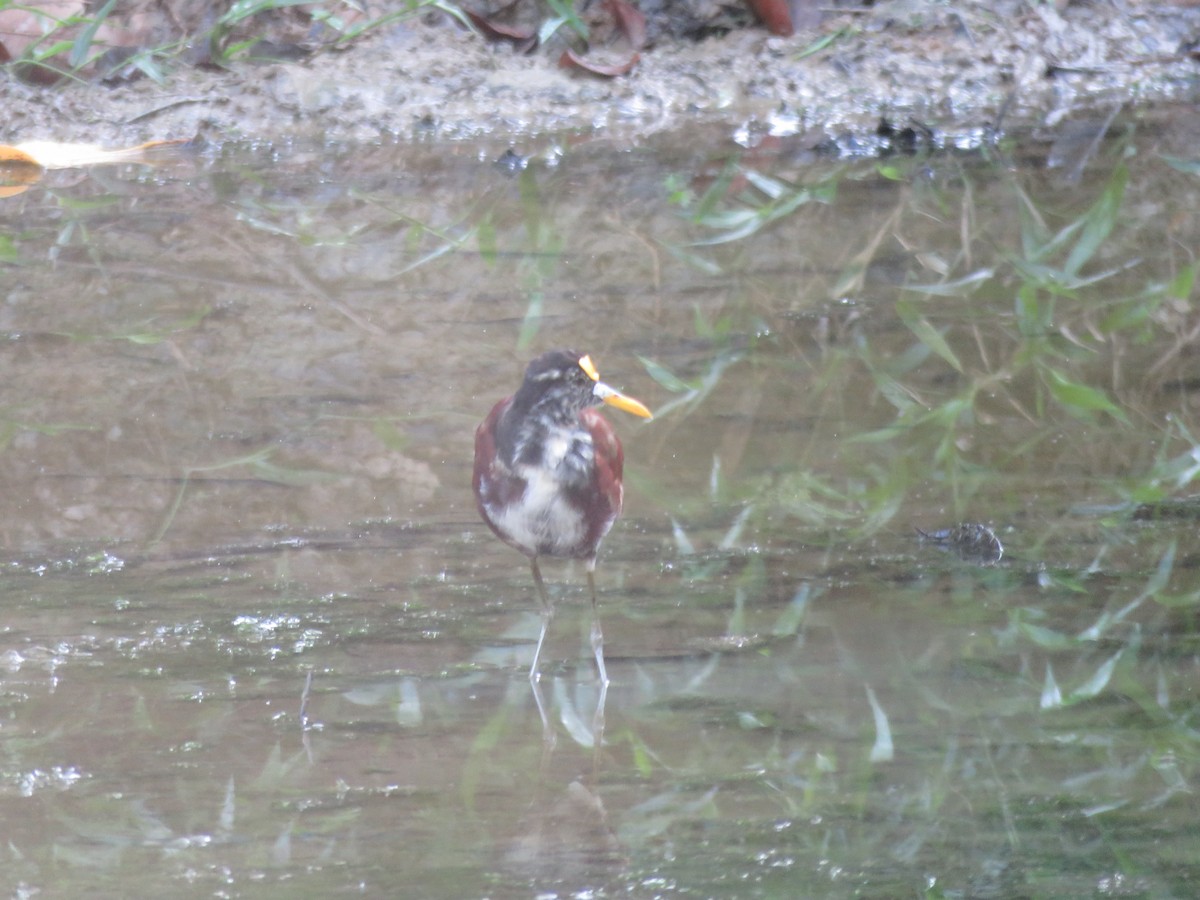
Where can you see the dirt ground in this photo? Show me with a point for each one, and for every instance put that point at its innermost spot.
(957, 71)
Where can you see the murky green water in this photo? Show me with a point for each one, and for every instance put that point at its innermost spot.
(239, 393)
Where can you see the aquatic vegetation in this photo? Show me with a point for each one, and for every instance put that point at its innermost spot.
(971, 364)
(1006, 348)
(825, 671)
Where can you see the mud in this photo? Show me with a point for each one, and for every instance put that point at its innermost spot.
(956, 76)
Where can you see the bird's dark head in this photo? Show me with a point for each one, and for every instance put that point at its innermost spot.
(556, 387)
(560, 384)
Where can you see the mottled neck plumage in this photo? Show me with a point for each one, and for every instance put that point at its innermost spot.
(542, 428)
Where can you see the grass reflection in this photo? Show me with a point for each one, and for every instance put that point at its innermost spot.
(1017, 387)
(810, 697)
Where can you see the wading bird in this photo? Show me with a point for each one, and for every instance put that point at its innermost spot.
(547, 474)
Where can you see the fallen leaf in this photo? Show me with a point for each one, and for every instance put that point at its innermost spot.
(775, 14)
(23, 26)
(630, 20)
(522, 38)
(52, 37)
(16, 156)
(18, 170)
(571, 58)
(58, 155)
(23, 164)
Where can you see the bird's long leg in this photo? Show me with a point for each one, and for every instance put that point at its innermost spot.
(549, 738)
(547, 615)
(598, 725)
(597, 633)
(598, 650)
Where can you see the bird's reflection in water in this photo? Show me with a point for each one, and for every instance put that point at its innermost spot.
(579, 700)
(572, 711)
(564, 842)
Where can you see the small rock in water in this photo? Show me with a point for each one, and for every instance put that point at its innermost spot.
(972, 542)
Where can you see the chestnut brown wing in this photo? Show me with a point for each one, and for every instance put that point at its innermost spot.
(494, 485)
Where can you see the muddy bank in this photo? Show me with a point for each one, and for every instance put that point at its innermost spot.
(959, 72)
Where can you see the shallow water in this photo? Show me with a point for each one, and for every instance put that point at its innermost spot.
(257, 641)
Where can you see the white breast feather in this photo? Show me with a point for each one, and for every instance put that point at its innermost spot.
(543, 518)
(555, 449)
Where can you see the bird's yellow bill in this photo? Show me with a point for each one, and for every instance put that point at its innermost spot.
(621, 401)
(611, 396)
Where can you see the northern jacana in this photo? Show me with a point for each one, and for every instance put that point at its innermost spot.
(548, 470)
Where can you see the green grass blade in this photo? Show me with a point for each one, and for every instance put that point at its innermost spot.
(1099, 222)
(926, 333)
(1081, 398)
(79, 49)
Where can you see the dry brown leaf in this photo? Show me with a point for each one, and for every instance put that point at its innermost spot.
(18, 170)
(23, 164)
(775, 14)
(58, 155)
(630, 20)
(21, 26)
(522, 38)
(571, 58)
(29, 30)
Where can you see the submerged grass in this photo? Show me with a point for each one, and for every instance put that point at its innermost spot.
(970, 364)
(854, 705)
(1027, 340)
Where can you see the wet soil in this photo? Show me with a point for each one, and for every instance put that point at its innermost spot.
(953, 76)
